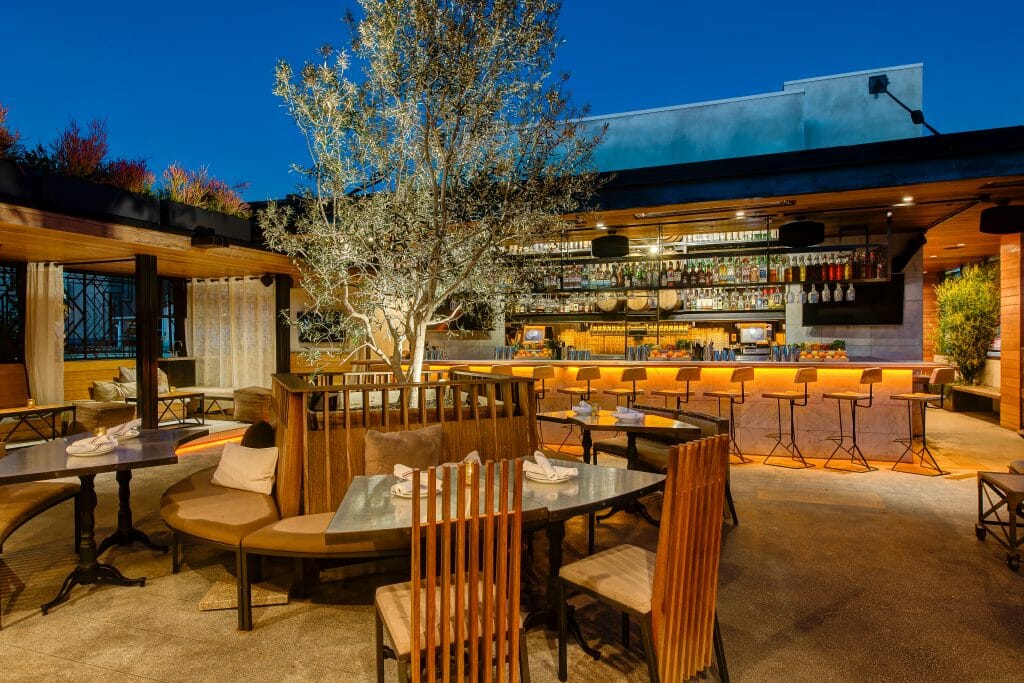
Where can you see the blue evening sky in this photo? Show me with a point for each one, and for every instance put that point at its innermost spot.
(190, 81)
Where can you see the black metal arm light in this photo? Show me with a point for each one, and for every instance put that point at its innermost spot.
(879, 85)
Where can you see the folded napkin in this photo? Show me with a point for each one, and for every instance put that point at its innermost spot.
(405, 487)
(583, 408)
(87, 446)
(125, 430)
(622, 413)
(543, 467)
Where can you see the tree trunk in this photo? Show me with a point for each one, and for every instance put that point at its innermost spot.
(417, 349)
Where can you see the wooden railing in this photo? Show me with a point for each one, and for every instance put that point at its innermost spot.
(320, 429)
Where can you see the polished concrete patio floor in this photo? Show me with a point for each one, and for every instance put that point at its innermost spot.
(829, 577)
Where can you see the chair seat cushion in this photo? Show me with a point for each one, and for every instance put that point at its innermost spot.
(394, 603)
(21, 502)
(199, 508)
(624, 575)
(305, 534)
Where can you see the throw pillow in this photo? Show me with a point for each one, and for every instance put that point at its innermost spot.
(248, 469)
(259, 435)
(129, 375)
(112, 391)
(417, 448)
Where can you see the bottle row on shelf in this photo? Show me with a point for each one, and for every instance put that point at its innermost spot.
(696, 299)
(832, 266)
(729, 238)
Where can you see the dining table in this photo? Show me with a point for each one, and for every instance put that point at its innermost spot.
(369, 508)
(50, 460)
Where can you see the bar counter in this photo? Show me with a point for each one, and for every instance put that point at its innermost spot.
(877, 426)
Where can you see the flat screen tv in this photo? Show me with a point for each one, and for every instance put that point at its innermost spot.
(876, 303)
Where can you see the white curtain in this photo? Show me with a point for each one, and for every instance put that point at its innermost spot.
(44, 332)
(230, 332)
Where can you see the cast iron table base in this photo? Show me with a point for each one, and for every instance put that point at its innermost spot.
(126, 533)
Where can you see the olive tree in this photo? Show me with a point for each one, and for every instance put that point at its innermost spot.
(968, 316)
(438, 139)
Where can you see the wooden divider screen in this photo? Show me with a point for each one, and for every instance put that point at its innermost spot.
(320, 429)
(686, 569)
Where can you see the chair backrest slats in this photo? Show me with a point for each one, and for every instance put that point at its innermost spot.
(465, 574)
(688, 373)
(742, 374)
(871, 376)
(942, 376)
(806, 376)
(689, 546)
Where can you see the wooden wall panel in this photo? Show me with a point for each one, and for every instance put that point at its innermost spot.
(80, 374)
(1011, 282)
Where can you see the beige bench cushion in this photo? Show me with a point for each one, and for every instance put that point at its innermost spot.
(199, 508)
(305, 534)
(21, 502)
(648, 452)
(624, 574)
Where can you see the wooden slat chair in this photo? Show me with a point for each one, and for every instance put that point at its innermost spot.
(688, 373)
(672, 592)
(453, 623)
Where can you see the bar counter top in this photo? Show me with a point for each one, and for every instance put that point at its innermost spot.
(838, 365)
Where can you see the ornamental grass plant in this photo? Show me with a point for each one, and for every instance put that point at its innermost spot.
(968, 317)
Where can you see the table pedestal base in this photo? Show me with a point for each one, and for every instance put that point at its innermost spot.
(82, 576)
(126, 533)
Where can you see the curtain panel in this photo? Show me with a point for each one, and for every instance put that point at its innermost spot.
(230, 331)
(44, 331)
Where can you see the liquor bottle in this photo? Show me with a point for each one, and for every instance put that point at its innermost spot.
(803, 267)
(826, 293)
(838, 297)
(803, 295)
(813, 297)
(850, 294)
(871, 265)
(776, 298)
(773, 270)
(762, 269)
(666, 280)
(848, 267)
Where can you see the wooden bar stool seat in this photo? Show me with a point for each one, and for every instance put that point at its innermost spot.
(587, 373)
(685, 374)
(542, 373)
(794, 398)
(939, 377)
(855, 399)
(632, 375)
(736, 397)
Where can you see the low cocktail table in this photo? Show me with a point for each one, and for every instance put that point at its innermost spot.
(50, 461)
(998, 491)
(168, 399)
(25, 414)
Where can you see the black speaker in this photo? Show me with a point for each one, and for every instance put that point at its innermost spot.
(798, 234)
(609, 246)
(1002, 220)
(902, 258)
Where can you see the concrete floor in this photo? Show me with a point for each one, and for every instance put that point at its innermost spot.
(830, 577)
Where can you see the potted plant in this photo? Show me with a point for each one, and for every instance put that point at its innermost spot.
(968, 316)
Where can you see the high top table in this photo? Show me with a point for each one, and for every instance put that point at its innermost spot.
(369, 509)
(49, 460)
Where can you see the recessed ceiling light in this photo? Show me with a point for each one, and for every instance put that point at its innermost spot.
(741, 214)
(961, 244)
(908, 198)
(932, 256)
(599, 224)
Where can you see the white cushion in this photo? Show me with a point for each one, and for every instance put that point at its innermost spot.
(129, 375)
(126, 374)
(248, 469)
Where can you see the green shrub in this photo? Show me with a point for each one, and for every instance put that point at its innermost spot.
(968, 312)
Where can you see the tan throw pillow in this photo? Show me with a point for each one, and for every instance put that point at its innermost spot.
(248, 469)
(112, 391)
(417, 448)
(129, 375)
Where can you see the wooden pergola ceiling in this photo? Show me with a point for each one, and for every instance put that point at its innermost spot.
(948, 211)
(33, 235)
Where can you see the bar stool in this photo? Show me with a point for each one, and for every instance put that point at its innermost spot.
(939, 377)
(587, 374)
(542, 373)
(501, 370)
(803, 376)
(685, 374)
(926, 380)
(634, 375)
(736, 398)
(869, 376)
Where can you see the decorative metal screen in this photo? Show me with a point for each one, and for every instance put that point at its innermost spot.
(12, 313)
(99, 315)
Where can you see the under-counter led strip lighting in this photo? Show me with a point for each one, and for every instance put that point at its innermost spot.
(192, 448)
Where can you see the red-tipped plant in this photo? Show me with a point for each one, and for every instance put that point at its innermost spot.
(80, 154)
(130, 174)
(8, 138)
(199, 189)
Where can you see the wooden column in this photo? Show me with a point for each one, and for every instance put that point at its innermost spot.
(147, 337)
(283, 336)
(1011, 282)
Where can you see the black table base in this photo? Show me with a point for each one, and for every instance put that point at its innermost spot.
(126, 534)
(89, 571)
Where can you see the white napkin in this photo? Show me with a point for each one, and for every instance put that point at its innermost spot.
(543, 467)
(405, 486)
(623, 413)
(584, 408)
(86, 446)
(125, 430)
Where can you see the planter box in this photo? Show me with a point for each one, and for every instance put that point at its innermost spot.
(15, 185)
(80, 197)
(184, 217)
